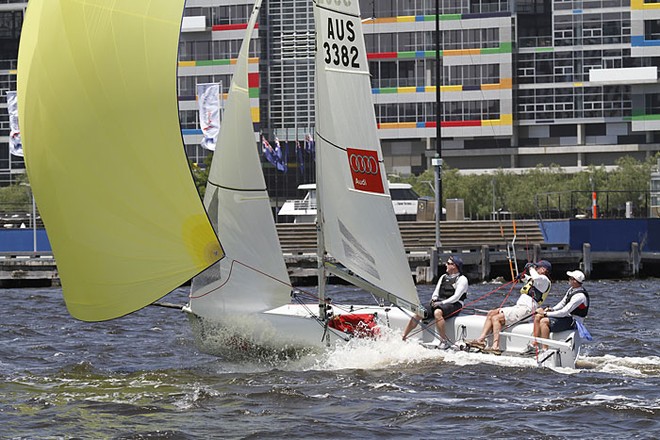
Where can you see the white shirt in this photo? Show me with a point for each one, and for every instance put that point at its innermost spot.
(460, 287)
(564, 308)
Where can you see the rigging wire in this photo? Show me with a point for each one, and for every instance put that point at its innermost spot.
(425, 326)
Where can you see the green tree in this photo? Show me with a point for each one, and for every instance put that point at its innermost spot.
(541, 189)
(201, 174)
(17, 196)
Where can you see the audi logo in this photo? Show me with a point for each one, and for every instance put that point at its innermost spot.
(363, 164)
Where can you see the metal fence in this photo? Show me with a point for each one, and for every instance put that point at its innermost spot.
(588, 204)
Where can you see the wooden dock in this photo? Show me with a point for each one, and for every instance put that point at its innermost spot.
(481, 244)
(26, 269)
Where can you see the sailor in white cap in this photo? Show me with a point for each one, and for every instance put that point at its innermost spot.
(573, 307)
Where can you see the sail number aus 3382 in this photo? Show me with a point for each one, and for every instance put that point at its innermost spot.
(338, 47)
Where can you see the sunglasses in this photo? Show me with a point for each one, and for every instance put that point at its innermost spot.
(451, 263)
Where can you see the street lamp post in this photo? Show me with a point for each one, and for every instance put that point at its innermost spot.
(437, 160)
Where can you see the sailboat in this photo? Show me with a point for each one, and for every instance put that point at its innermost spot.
(244, 300)
(98, 108)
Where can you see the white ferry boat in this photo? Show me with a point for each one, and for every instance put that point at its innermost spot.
(404, 199)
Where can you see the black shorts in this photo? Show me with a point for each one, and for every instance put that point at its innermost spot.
(448, 310)
(561, 324)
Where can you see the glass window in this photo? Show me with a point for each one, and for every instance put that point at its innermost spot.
(387, 43)
(407, 41)
(202, 50)
(652, 29)
(407, 76)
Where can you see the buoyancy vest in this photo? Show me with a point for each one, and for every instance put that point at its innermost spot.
(583, 309)
(448, 288)
(530, 289)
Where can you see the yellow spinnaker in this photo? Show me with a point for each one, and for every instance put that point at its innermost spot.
(99, 120)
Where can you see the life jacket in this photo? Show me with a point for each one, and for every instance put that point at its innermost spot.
(448, 288)
(361, 325)
(529, 289)
(583, 309)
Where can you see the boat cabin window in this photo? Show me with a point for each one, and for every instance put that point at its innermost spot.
(403, 194)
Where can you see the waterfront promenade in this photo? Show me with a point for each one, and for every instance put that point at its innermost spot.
(485, 247)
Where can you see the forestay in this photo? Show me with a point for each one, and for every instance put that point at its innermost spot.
(98, 110)
(358, 221)
(253, 278)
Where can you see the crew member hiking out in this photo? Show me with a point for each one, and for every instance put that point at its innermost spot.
(446, 301)
(534, 291)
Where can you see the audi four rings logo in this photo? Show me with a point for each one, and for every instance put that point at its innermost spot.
(363, 164)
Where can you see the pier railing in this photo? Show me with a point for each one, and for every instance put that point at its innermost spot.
(577, 204)
(300, 238)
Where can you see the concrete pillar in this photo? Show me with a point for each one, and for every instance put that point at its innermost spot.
(581, 134)
(514, 136)
(586, 260)
(485, 263)
(429, 147)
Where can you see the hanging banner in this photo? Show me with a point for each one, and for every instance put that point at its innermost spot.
(15, 144)
(208, 101)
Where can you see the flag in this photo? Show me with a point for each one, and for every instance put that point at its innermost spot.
(275, 155)
(15, 144)
(267, 151)
(208, 102)
(310, 145)
(300, 158)
(282, 156)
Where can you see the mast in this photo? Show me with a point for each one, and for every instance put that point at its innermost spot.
(320, 249)
(320, 239)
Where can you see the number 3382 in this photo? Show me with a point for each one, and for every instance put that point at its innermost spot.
(341, 55)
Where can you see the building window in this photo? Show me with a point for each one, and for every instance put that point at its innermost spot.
(652, 106)
(652, 29)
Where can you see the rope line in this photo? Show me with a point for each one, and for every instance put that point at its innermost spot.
(425, 326)
(346, 309)
(231, 269)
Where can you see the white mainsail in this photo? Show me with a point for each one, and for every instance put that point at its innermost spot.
(358, 221)
(253, 277)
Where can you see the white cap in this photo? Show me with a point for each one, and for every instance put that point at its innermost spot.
(577, 274)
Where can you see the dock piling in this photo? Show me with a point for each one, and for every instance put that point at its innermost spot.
(586, 259)
(485, 262)
(635, 258)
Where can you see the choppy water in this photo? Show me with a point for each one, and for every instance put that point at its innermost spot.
(142, 377)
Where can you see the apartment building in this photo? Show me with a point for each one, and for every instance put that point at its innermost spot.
(523, 83)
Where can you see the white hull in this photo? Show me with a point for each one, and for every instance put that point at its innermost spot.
(513, 340)
(296, 328)
(289, 329)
